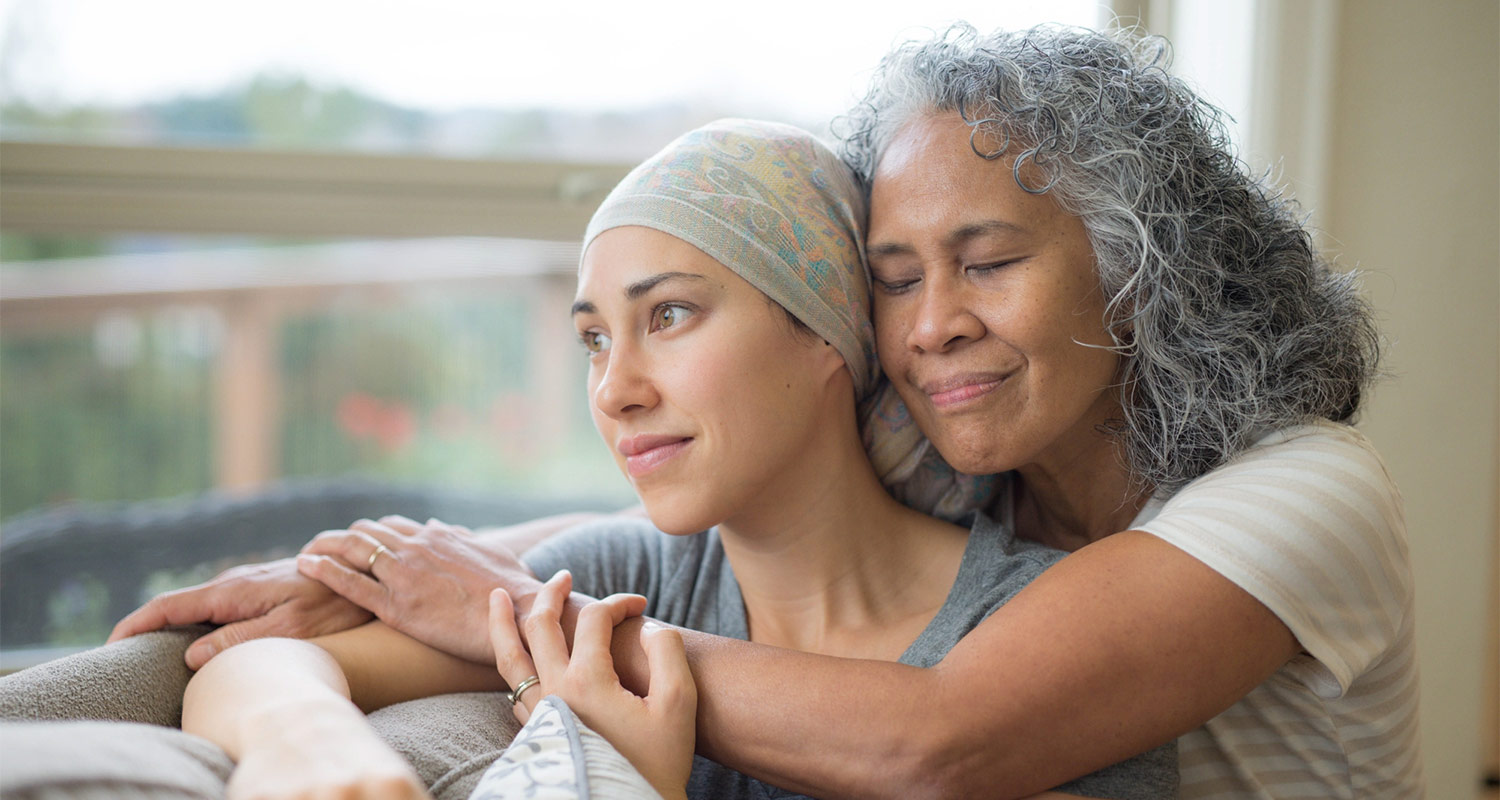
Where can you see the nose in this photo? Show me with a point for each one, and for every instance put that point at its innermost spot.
(625, 387)
(943, 318)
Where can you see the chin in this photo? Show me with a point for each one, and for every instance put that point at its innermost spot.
(970, 454)
(678, 518)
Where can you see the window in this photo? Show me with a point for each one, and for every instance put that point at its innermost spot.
(200, 287)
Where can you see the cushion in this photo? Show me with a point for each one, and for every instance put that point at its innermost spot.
(557, 757)
(140, 679)
(108, 761)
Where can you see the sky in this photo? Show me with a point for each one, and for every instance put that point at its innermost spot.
(805, 58)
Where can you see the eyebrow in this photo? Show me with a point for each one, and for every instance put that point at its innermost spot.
(954, 238)
(635, 290)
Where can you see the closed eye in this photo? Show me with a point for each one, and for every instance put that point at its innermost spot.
(897, 286)
(986, 269)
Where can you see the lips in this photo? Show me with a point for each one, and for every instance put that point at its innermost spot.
(956, 390)
(648, 451)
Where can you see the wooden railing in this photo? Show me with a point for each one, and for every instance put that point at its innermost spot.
(252, 290)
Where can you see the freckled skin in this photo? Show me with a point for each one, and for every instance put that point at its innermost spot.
(941, 312)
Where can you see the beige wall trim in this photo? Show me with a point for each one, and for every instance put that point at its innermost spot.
(70, 188)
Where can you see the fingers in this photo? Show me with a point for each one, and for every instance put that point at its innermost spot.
(209, 645)
(623, 606)
(672, 685)
(149, 617)
(511, 658)
(179, 607)
(354, 585)
(591, 639)
(400, 524)
(358, 545)
(379, 532)
(434, 522)
(544, 634)
(595, 630)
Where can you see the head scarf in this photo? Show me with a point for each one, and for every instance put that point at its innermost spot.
(778, 208)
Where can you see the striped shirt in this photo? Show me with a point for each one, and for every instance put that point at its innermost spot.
(1309, 522)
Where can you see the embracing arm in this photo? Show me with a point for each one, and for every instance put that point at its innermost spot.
(1118, 648)
(1115, 650)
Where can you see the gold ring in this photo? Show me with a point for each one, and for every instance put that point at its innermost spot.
(515, 696)
(370, 565)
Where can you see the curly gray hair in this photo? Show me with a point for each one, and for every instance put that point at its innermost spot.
(1230, 324)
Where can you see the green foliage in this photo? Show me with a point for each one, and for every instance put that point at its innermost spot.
(16, 247)
(267, 111)
(76, 430)
(437, 390)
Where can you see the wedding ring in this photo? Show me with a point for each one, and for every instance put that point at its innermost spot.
(515, 696)
(370, 565)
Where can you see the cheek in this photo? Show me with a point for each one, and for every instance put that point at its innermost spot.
(892, 328)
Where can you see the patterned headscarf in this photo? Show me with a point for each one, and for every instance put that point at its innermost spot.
(773, 204)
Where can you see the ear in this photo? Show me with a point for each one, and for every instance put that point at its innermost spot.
(831, 362)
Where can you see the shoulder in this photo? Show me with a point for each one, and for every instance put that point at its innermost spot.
(611, 534)
(678, 574)
(1309, 522)
(1317, 478)
(610, 554)
(1333, 457)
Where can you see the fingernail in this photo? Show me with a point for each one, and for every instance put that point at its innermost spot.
(652, 627)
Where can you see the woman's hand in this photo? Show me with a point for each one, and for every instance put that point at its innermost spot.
(656, 732)
(334, 756)
(253, 601)
(428, 581)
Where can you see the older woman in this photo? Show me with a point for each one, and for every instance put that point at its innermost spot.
(1079, 289)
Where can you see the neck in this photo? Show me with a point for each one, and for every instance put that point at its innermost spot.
(1080, 491)
(828, 562)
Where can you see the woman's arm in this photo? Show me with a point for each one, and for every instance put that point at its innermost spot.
(280, 708)
(384, 666)
(1115, 650)
(1118, 648)
(292, 713)
(273, 599)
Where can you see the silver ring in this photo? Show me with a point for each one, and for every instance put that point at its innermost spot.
(370, 565)
(515, 696)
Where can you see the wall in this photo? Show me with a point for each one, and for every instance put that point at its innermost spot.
(1413, 198)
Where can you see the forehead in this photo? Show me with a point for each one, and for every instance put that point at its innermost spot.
(619, 261)
(626, 254)
(930, 176)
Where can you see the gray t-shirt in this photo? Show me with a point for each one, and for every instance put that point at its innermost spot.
(688, 582)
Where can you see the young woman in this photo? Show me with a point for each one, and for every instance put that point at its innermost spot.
(723, 307)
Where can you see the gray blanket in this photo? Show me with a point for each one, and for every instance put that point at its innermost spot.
(104, 724)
